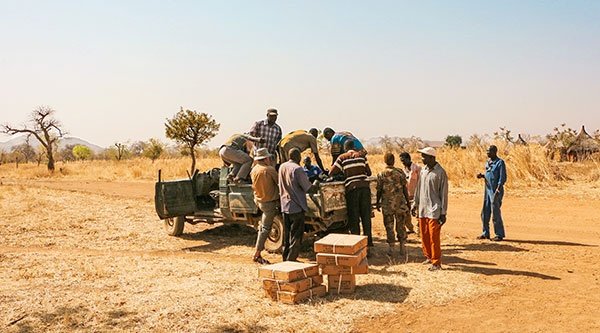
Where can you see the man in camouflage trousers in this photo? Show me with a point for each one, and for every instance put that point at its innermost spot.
(392, 200)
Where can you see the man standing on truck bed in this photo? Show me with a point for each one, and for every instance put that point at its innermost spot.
(268, 130)
(235, 152)
(338, 140)
(293, 186)
(302, 140)
(266, 197)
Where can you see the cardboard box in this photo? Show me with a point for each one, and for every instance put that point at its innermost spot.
(362, 268)
(288, 271)
(293, 298)
(342, 259)
(341, 284)
(341, 244)
(294, 286)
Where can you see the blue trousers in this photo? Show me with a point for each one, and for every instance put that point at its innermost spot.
(491, 209)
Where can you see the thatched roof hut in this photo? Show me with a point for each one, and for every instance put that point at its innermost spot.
(583, 146)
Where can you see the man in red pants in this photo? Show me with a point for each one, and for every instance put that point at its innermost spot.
(430, 206)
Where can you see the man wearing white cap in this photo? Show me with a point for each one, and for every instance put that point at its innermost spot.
(430, 206)
(266, 197)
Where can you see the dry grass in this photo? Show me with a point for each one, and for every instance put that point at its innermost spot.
(104, 263)
(126, 170)
(527, 166)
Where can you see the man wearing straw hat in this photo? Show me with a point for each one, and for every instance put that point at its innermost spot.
(266, 197)
(430, 207)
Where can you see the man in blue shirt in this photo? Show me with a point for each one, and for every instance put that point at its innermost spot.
(338, 140)
(312, 171)
(495, 178)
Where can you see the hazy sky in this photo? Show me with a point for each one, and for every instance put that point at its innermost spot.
(114, 70)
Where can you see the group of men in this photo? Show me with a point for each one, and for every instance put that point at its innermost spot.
(401, 192)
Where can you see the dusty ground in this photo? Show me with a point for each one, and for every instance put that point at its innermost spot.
(92, 256)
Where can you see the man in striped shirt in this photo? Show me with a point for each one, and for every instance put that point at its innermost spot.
(356, 169)
(269, 131)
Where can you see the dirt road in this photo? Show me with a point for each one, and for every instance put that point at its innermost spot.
(83, 256)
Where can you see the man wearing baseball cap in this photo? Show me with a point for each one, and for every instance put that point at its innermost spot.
(430, 206)
(268, 130)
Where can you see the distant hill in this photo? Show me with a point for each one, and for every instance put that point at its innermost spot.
(8, 145)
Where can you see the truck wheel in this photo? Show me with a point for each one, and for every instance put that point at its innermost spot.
(174, 225)
(274, 243)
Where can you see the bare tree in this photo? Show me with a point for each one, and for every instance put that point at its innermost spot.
(45, 128)
(40, 153)
(25, 151)
(504, 135)
(3, 157)
(121, 150)
(66, 154)
(137, 148)
(388, 144)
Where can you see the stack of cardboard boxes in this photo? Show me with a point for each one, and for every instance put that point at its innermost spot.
(292, 282)
(341, 257)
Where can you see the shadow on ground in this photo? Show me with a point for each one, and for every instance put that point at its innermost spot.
(380, 292)
(543, 242)
(498, 271)
(221, 237)
(73, 318)
(485, 246)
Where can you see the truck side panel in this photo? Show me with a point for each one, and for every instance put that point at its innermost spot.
(174, 198)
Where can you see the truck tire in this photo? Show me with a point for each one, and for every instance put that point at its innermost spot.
(174, 225)
(274, 243)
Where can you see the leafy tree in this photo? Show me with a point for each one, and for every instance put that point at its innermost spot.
(44, 127)
(454, 141)
(153, 149)
(81, 152)
(191, 129)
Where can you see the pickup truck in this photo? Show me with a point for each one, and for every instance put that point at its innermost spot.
(210, 198)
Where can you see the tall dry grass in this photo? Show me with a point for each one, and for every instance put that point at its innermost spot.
(141, 169)
(527, 166)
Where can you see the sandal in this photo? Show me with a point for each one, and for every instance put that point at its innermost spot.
(261, 261)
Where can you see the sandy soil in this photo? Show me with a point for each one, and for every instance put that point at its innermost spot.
(92, 256)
